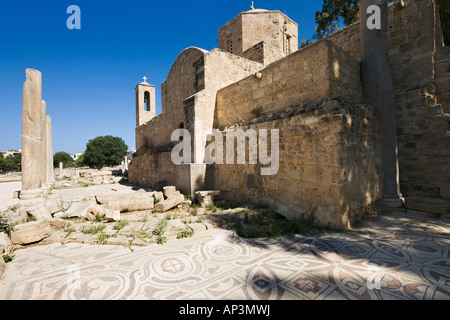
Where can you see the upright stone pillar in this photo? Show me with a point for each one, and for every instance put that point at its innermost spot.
(50, 175)
(378, 91)
(44, 144)
(32, 136)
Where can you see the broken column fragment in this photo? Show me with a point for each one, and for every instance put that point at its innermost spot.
(139, 201)
(174, 198)
(206, 197)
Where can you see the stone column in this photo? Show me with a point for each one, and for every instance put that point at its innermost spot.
(32, 136)
(44, 144)
(50, 175)
(378, 90)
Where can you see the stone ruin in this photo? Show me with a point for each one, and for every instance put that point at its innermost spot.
(37, 147)
(345, 145)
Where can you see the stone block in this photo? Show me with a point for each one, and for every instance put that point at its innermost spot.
(57, 223)
(2, 266)
(170, 203)
(430, 205)
(30, 232)
(52, 206)
(169, 191)
(5, 243)
(39, 211)
(112, 215)
(197, 227)
(138, 201)
(76, 210)
(206, 197)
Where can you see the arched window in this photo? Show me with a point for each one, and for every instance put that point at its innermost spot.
(147, 105)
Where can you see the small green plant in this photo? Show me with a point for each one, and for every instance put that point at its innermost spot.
(85, 185)
(156, 200)
(103, 237)
(69, 229)
(193, 212)
(161, 240)
(186, 198)
(5, 225)
(142, 234)
(211, 207)
(14, 208)
(31, 218)
(161, 227)
(100, 218)
(145, 217)
(8, 257)
(120, 224)
(200, 219)
(129, 245)
(185, 234)
(93, 229)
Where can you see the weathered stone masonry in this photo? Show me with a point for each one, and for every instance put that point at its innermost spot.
(330, 163)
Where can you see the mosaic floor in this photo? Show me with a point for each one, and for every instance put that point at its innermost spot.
(400, 256)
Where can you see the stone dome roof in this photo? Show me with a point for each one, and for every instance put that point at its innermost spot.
(257, 10)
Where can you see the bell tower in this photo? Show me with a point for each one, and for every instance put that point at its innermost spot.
(145, 102)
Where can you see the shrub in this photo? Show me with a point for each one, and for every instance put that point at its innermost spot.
(63, 157)
(80, 161)
(105, 151)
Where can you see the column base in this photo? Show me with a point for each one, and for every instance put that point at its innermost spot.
(31, 194)
(394, 203)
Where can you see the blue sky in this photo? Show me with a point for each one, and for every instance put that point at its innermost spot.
(89, 75)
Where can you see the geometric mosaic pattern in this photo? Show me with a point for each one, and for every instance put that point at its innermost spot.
(400, 256)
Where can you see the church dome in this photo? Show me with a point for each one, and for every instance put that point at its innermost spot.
(257, 10)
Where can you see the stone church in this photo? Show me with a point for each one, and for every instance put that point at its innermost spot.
(330, 144)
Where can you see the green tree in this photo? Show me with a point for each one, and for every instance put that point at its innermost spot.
(80, 160)
(2, 162)
(10, 163)
(347, 12)
(105, 151)
(333, 12)
(63, 157)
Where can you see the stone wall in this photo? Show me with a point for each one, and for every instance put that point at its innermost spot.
(442, 69)
(329, 163)
(252, 27)
(188, 103)
(255, 53)
(320, 70)
(153, 168)
(415, 41)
